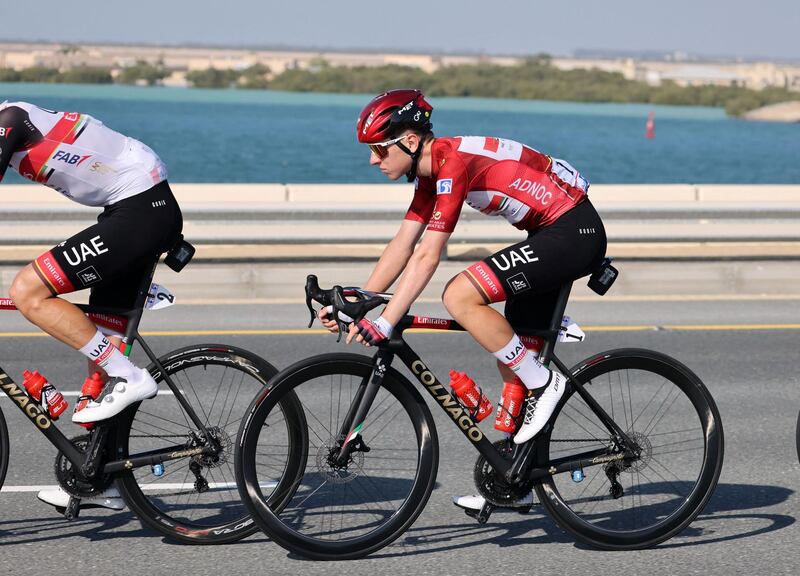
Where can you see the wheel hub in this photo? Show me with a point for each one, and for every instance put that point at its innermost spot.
(219, 457)
(645, 453)
(330, 470)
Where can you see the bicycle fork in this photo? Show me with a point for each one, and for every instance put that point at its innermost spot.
(357, 413)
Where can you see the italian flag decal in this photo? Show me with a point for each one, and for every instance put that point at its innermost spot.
(353, 434)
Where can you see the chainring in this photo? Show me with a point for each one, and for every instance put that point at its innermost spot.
(70, 482)
(494, 487)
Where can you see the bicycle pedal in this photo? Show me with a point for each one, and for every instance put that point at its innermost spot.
(485, 512)
(73, 508)
(523, 509)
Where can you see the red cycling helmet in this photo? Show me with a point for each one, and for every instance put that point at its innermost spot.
(392, 112)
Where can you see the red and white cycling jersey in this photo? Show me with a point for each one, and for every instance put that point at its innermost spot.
(75, 154)
(497, 177)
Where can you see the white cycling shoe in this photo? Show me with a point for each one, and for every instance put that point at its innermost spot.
(540, 406)
(124, 393)
(474, 502)
(110, 498)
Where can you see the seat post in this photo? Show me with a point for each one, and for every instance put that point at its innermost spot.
(144, 287)
(555, 323)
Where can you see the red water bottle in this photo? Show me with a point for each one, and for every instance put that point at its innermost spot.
(510, 406)
(470, 395)
(45, 393)
(90, 390)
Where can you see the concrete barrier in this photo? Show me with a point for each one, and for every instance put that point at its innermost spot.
(247, 222)
(226, 196)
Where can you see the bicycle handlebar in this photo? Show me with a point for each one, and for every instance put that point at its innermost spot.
(336, 298)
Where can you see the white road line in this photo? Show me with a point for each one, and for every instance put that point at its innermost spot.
(77, 393)
(151, 487)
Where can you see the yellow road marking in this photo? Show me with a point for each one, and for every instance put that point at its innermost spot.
(317, 331)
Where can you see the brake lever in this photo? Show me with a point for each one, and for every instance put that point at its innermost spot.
(338, 303)
(355, 310)
(314, 292)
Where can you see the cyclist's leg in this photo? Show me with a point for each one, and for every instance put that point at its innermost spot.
(564, 251)
(144, 226)
(127, 234)
(121, 292)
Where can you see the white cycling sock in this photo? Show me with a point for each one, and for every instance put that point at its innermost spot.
(524, 363)
(103, 353)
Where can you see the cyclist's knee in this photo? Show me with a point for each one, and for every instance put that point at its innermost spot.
(27, 291)
(459, 294)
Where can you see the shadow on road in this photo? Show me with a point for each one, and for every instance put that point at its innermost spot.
(90, 525)
(726, 517)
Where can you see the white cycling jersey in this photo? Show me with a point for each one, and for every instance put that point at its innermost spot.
(75, 154)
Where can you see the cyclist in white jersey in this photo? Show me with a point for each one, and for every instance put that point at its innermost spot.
(93, 165)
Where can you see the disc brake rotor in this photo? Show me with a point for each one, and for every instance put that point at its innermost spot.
(333, 473)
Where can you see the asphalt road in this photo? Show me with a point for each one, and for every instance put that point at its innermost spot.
(748, 526)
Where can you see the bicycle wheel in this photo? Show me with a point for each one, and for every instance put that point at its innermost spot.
(669, 413)
(195, 500)
(349, 511)
(4, 449)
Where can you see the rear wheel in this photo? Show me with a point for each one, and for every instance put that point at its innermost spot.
(195, 499)
(638, 502)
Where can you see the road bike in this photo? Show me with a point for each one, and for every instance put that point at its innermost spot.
(170, 456)
(629, 458)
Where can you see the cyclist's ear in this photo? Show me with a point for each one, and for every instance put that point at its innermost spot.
(413, 141)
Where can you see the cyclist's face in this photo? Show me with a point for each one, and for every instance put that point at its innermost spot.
(394, 162)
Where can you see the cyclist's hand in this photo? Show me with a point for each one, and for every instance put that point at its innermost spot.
(325, 316)
(370, 333)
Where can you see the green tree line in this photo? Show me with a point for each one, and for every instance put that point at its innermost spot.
(532, 79)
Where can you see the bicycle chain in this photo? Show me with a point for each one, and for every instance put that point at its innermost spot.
(495, 488)
(70, 482)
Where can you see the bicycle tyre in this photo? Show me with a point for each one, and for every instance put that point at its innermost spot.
(195, 370)
(4, 449)
(610, 528)
(341, 367)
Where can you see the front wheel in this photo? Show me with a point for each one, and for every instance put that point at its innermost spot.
(194, 499)
(3, 449)
(665, 409)
(339, 510)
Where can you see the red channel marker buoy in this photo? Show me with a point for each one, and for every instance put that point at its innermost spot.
(650, 127)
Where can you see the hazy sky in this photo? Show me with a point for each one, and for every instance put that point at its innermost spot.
(756, 28)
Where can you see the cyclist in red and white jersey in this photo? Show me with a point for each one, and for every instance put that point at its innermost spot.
(93, 165)
(543, 196)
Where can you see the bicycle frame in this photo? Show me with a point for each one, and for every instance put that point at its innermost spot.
(86, 462)
(520, 467)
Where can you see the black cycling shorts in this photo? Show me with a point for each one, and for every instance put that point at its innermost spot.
(528, 275)
(114, 256)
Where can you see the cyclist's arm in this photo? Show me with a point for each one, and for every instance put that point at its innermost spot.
(16, 131)
(417, 274)
(441, 211)
(395, 256)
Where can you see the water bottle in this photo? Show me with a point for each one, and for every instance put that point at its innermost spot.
(510, 406)
(470, 395)
(44, 393)
(90, 390)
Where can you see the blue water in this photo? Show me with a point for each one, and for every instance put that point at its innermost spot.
(264, 136)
